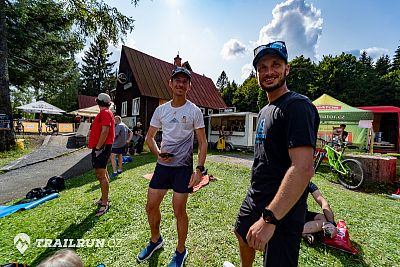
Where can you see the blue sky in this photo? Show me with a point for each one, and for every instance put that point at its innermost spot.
(220, 35)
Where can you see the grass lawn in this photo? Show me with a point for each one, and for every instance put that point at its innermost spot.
(30, 142)
(372, 219)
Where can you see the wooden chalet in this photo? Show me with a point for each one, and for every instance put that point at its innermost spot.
(143, 85)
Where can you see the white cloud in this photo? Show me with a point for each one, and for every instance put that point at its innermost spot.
(298, 24)
(246, 70)
(232, 48)
(375, 52)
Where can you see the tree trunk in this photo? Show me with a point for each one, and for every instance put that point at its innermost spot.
(6, 136)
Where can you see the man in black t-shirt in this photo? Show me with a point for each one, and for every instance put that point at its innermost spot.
(271, 217)
(317, 222)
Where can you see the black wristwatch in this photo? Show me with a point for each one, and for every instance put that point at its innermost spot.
(269, 217)
(200, 168)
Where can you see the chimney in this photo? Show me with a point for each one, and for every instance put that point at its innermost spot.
(177, 61)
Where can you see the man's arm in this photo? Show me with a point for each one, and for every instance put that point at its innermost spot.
(328, 213)
(130, 135)
(202, 153)
(103, 136)
(292, 187)
(202, 149)
(294, 182)
(151, 142)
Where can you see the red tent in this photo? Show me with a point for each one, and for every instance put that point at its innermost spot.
(386, 122)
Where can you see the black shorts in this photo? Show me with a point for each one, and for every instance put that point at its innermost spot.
(283, 248)
(175, 178)
(310, 216)
(100, 162)
(118, 150)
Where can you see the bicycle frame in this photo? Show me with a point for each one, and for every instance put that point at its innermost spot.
(335, 159)
(350, 172)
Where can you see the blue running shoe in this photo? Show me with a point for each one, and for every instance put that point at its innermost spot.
(149, 249)
(114, 174)
(178, 259)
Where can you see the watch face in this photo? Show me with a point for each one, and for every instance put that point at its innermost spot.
(268, 216)
(268, 219)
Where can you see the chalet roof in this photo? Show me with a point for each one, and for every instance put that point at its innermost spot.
(85, 101)
(152, 75)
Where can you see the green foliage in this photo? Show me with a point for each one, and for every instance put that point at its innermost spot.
(246, 96)
(389, 91)
(38, 41)
(382, 65)
(303, 74)
(357, 82)
(228, 93)
(41, 47)
(396, 59)
(97, 71)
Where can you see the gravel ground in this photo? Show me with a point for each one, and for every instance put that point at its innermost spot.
(245, 160)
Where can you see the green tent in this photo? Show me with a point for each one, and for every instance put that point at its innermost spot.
(333, 112)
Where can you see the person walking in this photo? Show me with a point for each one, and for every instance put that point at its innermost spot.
(179, 120)
(100, 141)
(271, 217)
(123, 136)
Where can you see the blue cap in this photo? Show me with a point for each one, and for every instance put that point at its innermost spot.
(178, 70)
(277, 48)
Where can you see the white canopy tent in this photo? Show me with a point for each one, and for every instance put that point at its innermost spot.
(90, 111)
(41, 107)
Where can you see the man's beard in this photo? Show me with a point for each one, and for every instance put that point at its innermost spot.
(272, 88)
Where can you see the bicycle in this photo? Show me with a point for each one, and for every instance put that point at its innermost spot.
(350, 172)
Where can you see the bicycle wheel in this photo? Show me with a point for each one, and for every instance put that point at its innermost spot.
(354, 176)
(318, 160)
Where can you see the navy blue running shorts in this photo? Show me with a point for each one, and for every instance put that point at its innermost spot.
(175, 178)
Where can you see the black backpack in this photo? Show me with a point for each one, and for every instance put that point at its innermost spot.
(56, 182)
(54, 185)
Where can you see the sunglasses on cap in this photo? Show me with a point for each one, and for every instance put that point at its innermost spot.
(178, 70)
(278, 46)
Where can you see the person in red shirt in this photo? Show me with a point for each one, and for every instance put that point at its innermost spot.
(100, 141)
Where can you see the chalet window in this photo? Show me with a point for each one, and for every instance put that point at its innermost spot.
(124, 108)
(203, 110)
(135, 106)
(210, 112)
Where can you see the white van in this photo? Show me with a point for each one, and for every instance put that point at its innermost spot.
(240, 128)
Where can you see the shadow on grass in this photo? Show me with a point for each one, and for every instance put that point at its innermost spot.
(347, 259)
(82, 173)
(74, 231)
(138, 161)
(153, 261)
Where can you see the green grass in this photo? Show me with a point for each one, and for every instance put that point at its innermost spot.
(30, 143)
(372, 219)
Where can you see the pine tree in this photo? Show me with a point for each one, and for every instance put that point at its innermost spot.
(382, 65)
(228, 93)
(396, 59)
(222, 81)
(97, 71)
